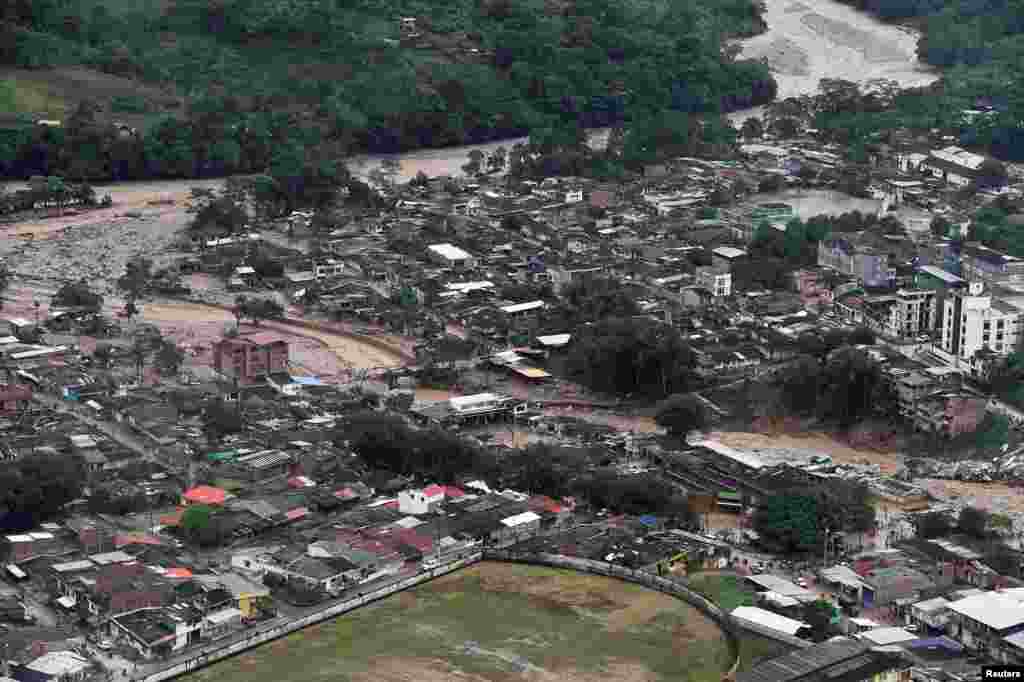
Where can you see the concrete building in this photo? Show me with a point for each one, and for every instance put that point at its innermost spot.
(727, 256)
(261, 465)
(810, 284)
(980, 263)
(953, 165)
(950, 413)
(517, 528)
(717, 280)
(523, 315)
(868, 266)
(479, 408)
(252, 358)
(981, 621)
(24, 546)
(905, 314)
(419, 502)
(14, 398)
(973, 320)
(450, 256)
(55, 666)
(884, 586)
(932, 615)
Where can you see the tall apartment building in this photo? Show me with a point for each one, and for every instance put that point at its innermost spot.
(973, 320)
(906, 314)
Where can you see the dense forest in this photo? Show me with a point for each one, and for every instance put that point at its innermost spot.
(250, 84)
(979, 44)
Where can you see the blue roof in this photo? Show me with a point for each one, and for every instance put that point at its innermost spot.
(307, 381)
(649, 520)
(928, 643)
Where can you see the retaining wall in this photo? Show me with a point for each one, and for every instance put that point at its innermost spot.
(219, 651)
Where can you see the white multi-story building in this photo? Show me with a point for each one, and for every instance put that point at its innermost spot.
(717, 280)
(973, 320)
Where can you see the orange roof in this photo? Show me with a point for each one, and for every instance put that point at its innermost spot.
(178, 573)
(206, 494)
(122, 539)
(433, 491)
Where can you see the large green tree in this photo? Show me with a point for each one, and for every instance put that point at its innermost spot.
(681, 414)
(632, 356)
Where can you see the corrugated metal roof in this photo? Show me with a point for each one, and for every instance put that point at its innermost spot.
(264, 459)
(799, 664)
(768, 619)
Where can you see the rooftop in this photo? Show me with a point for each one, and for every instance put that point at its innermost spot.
(449, 252)
(768, 619)
(59, 663)
(805, 662)
(996, 610)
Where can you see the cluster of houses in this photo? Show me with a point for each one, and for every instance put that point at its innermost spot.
(943, 611)
(150, 597)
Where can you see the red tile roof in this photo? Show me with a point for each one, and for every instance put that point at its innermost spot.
(206, 494)
(297, 513)
(122, 539)
(262, 338)
(545, 503)
(413, 539)
(453, 492)
(434, 491)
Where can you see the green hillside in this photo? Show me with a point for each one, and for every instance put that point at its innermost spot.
(219, 86)
(979, 44)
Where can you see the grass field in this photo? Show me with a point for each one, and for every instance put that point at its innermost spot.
(499, 622)
(21, 95)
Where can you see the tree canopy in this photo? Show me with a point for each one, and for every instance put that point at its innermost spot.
(681, 414)
(632, 356)
(36, 487)
(796, 521)
(848, 388)
(259, 93)
(77, 295)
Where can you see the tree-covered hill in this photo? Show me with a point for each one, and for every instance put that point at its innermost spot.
(238, 80)
(980, 46)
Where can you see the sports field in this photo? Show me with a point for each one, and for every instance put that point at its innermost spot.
(498, 622)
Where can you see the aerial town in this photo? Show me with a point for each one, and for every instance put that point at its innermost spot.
(749, 410)
(425, 385)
